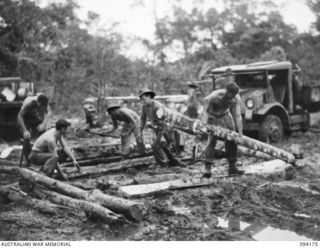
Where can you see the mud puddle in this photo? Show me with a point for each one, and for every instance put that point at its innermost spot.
(260, 231)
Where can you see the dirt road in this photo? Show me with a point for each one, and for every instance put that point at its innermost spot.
(241, 208)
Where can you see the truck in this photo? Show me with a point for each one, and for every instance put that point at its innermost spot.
(12, 93)
(274, 101)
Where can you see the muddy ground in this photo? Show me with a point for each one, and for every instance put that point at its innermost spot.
(239, 208)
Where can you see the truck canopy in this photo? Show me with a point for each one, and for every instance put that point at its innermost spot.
(255, 67)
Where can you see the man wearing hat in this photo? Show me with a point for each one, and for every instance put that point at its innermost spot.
(149, 109)
(219, 106)
(50, 149)
(32, 119)
(131, 123)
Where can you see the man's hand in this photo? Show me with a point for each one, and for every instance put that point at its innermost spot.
(26, 135)
(76, 164)
(124, 135)
(240, 134)
(41, 127)
(64, 177)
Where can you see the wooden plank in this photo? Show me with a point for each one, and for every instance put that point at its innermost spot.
(268, 167)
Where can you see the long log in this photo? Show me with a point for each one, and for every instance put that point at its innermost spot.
(140, 190)
(16, 195)
(103, 160)
(253, 153)
(8, 163)
(108, 168)
(177, 120)
(131, 209)
(88, 207)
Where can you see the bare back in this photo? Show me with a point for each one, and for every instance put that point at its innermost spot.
(46, 142)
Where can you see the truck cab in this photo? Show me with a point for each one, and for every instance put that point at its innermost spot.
(12, 93)
(271, 95)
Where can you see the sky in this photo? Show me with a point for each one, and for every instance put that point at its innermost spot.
(138, 21)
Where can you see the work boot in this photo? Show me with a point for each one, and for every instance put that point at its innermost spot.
(207, 167)
(234, 171)
(206, 175)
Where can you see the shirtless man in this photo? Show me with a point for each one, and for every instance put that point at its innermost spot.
(219, 106)
(131, 126)
(32, 119)
(149, 110)
(47, 153)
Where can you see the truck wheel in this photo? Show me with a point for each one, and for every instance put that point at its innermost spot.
(271, 129)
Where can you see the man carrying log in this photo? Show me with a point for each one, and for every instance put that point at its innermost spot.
(131, 124)
(32, 119)
(46, 153)
(149, 110)
(222, 108)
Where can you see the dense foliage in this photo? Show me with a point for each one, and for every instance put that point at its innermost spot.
(52, 46)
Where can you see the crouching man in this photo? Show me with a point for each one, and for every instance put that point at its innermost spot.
(131, 124)
(47, 153)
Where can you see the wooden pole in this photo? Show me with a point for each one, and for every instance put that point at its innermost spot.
(177, 120)
(108, 168)
(86, 206)
(16, 195)
(102, 160)
(131, 209)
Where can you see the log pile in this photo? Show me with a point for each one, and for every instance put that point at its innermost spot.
(181, 122)
(55, 195)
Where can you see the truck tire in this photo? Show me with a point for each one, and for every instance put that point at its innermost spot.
(271, 129)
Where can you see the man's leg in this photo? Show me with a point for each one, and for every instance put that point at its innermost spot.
(158, 153)
(172, 160)
(47, 160)
(208, 155)
(139, 140)
(231, 148)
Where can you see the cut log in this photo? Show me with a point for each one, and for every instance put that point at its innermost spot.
(108, 168)
(253, 153)
(103, 160)
(177, 120)
(131, 209)
(9, 169)
(16, 195)
(268, 167)
(88, 207)
(8, 163)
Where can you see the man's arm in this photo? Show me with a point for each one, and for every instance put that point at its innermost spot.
(132, 126)
(22, 112)
(43, 125)
(115, 124)
(238, 116)
(68, 152)
(143, 119)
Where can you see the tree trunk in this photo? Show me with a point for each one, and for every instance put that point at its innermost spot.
(8, 163)
(140, 190)
(113, 167)
(9, 169)
(16, 195)
(191, 126)
(102, 160)
(88, 207)
(131, 209)
(253, 153)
